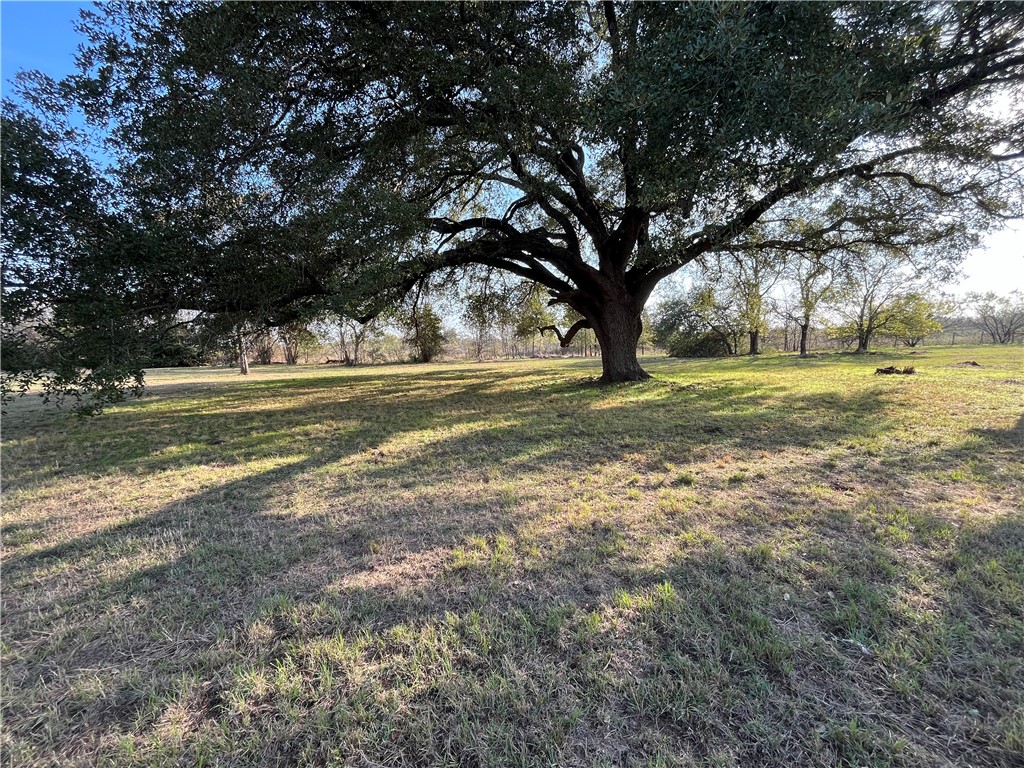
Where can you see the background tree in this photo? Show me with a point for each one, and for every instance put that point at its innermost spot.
(812, 278)
(262, 345)
(879, 288)
(183, 344)
(242, 349)
(916, 317)
(479, 314)
(750, 278)
(296, 338)
(344, 336)
(1001, 317)
(383, 345)
(426, 333)
(956, 324)
(533, 315)
(279, 154)
(490, 307)
(698, 324)
(646, 340)
(358, 332)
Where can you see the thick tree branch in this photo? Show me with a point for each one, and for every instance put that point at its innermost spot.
(643, 279)
(566, 340)
(978, 76)
(595, 229)
(613, 30)
(915, 182)
(500, 256)
(569, 165)
(449, 227)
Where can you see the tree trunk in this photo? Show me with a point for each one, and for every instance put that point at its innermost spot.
(618, 329)
(243, 357)
(755, 342)
(803, 339)
(862, 343)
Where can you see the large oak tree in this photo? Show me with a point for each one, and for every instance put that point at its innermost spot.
(294, 155)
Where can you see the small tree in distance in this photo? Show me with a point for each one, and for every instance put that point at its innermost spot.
(646, 340)
(698, 324)
(812, 277)
(1001, 317)
(749, 278)
(916, 317)
(296, 338)
(533, 315)
(877, 287)
(262, 347)
(426, 334)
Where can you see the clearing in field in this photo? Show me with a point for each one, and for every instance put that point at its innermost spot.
(742, 562)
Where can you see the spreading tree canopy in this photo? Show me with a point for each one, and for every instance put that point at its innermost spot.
(287, 155)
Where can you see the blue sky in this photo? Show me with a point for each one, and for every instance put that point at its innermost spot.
(39, 35)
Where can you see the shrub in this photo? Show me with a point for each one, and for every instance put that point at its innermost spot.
(705, 344)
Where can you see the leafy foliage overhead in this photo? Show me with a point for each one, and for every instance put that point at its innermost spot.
(293, 154)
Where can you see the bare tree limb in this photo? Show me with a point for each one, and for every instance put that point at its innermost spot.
(566, 339)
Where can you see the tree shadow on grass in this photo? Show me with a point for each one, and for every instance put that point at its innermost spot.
(159, 435)
(445, 606)
(1012, 438)
(722, 647)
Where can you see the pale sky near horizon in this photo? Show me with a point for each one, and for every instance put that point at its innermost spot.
(39, 35)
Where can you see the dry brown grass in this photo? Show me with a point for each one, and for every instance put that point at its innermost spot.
(750, 562)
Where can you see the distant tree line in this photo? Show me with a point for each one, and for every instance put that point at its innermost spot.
(856, 299)
(489, 318)
(730, 307)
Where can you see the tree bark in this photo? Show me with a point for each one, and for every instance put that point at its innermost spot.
(618, 328)
(357, 340)
(243, 357)
(803, 338)
(755, 342)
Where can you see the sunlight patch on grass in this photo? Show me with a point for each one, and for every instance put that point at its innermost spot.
(757, 561)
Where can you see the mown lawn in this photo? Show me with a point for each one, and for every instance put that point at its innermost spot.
(742, 562)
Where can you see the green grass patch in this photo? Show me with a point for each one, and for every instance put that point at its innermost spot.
(754, 562)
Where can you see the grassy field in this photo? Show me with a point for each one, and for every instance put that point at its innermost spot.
(743, 562)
